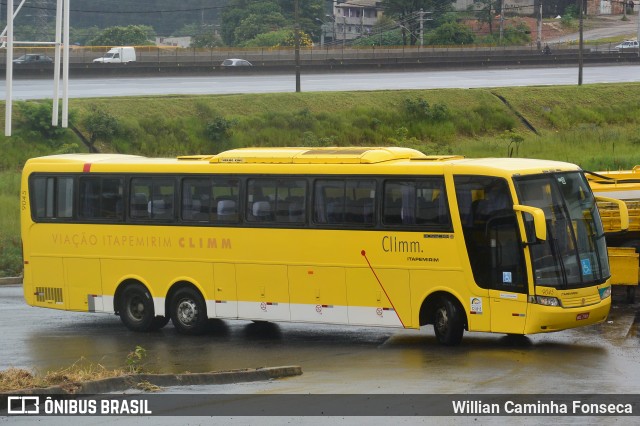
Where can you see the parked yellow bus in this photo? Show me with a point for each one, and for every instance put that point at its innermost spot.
(363, 236)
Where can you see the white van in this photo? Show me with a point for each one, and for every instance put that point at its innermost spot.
(118, 55)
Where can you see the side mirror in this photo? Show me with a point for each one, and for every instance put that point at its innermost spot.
(624, 211)
(539, 222)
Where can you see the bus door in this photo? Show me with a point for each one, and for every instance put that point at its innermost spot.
(508, 284)
(494, 247)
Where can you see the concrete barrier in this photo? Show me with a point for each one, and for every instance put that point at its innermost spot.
(337, 61)
(11, 281)
(119, 384)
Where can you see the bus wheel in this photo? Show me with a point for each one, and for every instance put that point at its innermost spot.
(448, 323)
(136, 308)
(189, 312)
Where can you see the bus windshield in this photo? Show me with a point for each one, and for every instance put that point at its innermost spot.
(574, 254)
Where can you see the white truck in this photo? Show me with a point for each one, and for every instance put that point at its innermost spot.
(117, 55)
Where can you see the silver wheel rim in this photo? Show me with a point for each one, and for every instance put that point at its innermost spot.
(442, 320)
(136, 308)
(187, 312)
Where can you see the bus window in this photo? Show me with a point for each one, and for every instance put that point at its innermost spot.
(196, 199)
(225, 193)
(276, 200)
(416, 202)
(490, 233)
(53, 197)
(345, 202)
(152, 198)
(100, 198)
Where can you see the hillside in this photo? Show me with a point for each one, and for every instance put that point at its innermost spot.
(544, 122)
(595, 126)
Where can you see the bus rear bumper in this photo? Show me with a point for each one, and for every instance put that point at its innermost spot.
(545, 319)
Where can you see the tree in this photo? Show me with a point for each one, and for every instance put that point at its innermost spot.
(310, 14)
(136, 35)
(406, 12)
(167, 16)
(231, 26)
(285, 37)
(82, 36)
(253, 25)
(206, 37)
(450, 33)
(37, 118)
(191, 30)
(100, 125)
(243, 20)
(485, 11)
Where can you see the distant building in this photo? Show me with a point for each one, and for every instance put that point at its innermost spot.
(553, 8)
(174, 41)
(606, 7)
(352, 19)
(510, 7)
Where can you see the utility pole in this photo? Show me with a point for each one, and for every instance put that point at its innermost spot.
(297, 45)
(638, 35)
(539, 37)
(344, 30)
(580, 45)
(9, 71)
(421, 14)
(501, 20)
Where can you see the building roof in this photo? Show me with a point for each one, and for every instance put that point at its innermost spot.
(359, 3)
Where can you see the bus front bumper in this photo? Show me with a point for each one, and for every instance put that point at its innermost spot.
(545, 319)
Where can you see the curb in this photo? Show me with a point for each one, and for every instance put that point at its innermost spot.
(10, 280)
(118, 384)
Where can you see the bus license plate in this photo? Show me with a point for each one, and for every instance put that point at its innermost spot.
(583, 316)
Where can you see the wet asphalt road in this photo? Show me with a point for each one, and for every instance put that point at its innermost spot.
(599, 359)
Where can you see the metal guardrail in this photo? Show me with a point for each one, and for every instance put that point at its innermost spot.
(193, 61)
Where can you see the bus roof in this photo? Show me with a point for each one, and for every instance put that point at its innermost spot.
(405, 157)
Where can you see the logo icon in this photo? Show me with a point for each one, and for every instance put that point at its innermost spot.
(23, 405)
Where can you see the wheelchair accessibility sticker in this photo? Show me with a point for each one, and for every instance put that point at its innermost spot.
(586, 266)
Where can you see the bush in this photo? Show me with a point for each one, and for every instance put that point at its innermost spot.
(219, 129)
(36, 117)
(101, 125)
(420, 108)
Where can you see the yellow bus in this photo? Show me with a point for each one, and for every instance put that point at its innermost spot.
(363, 236)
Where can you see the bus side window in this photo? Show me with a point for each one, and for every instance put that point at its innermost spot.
(100, 198)
(345, 202)
(416, 202)
(226, 210)
(225, 204)
(139, 208)
(158, 192)
(196, 199)
(53, 197)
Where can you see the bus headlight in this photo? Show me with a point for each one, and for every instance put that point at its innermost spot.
(604, 292)
(547, 301)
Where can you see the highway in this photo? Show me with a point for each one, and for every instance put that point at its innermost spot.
(27, 89)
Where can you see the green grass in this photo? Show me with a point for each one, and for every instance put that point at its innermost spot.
(595, 126)
(10, 247)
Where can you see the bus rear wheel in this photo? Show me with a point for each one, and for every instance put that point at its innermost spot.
(189, 311)
(136, 308)
(448, 323)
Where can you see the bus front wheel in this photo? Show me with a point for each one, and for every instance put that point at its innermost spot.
(189, 311)
(448, 323)
(136, 308)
